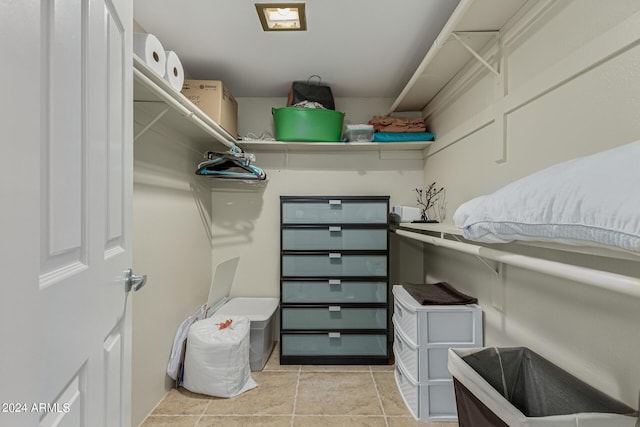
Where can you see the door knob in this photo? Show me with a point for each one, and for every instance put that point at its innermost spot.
(131, 281)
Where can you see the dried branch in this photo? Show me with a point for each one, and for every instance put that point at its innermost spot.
(426, 199)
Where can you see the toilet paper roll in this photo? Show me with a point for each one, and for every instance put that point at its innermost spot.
(150, 50)
(174, 73)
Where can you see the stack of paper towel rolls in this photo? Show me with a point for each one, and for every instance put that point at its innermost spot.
(164, 63)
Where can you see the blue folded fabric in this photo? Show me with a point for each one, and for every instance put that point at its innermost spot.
(402, 136)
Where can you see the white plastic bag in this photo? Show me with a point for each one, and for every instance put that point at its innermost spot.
(178, 343)
(217, 359)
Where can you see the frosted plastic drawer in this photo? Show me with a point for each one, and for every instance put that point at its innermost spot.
(433, 401)
(335, 290)
(422, 363)
(440, 401)
(408, 390)
(454, 326)
(407, 320)
(459, 325)
(334, 238)
(334, 344)
(335, 211)
(434, 365)
(333, 317)
(406, 353)
(333, 264)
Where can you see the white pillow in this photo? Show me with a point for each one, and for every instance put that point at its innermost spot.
(464, 211)
(593, 199)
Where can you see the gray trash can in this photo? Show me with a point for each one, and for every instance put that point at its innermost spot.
(515, 387)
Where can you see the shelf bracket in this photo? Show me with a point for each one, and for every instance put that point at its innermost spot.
(500, 89)
(473, 52)
(498, 288)
(151, 123)
(496, 270)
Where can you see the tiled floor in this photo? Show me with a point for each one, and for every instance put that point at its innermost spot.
(293, 395)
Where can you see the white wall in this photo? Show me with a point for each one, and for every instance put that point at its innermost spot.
(246, 218)
(571, 89)
(171, 220)
(246, 222)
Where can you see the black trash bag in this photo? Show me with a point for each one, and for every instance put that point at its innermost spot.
(311, 91)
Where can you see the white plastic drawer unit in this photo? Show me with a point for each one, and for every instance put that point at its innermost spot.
(333, 264)
(334, 211)
(333, 317)
(334, 291)
(333, 344)
(334, 237)
(422, 336)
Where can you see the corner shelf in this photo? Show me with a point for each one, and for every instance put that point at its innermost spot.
(473, 25)
(156, 102)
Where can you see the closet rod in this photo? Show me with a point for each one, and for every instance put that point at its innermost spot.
(602, 279)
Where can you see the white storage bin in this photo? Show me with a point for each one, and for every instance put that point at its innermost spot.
(261, 313)
(359, 133)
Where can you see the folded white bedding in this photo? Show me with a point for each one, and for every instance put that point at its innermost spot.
(592, 199)
(465, 210)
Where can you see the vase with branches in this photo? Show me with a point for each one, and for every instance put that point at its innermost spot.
(427, 198)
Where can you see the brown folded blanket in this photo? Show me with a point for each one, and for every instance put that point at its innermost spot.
(440, 293)
(397, 124)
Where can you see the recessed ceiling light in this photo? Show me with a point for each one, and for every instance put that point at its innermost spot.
(282, 16)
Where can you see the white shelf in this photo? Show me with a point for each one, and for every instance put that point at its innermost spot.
(282, 146)
(595, 249)
(157, 103)
(434, 227)
(476, 23)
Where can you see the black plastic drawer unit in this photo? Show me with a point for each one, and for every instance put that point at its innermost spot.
(334, 280)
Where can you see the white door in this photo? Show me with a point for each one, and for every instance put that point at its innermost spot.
(65, 216)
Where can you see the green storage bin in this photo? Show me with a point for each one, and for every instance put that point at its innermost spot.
(307, 124)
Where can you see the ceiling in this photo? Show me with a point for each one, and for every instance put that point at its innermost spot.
(362, 48)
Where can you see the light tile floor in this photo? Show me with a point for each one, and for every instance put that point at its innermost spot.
(294, 395)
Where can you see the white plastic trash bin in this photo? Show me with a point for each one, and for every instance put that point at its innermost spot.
(515, 387)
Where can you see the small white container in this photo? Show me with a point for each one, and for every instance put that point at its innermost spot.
(261, 313)
(359, 133)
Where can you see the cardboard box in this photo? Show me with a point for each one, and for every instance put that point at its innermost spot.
(215, 101)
